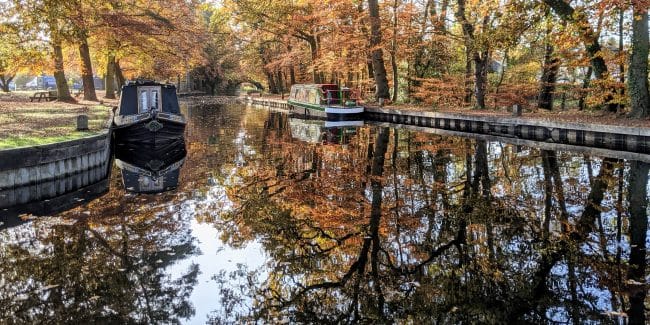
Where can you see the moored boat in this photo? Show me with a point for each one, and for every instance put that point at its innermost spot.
(148, 113)
(325, 100)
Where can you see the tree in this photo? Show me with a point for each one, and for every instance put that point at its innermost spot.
(379, 70)
(16, 54)
(638, 70)
(489, 26)
(550, 69)
(36, 17)
(590, 40)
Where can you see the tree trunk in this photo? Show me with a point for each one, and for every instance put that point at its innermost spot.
(393, 61)
(379, 69)
(87, 70)
(110, 77)
(371, 71)
(272, 86)
(393, 53)
(63, 92)
(467, 99)
(481, 63)
(4, 82)
(119, 75)
(280, 82)
(470, 53)
(292, 71)
(504, 63)
(585, 85)
(292, 75)
(638, 200)
(442, 27)
(621, 50)
(313, 49)
(549, 78)
(550, 69)
(637, 82)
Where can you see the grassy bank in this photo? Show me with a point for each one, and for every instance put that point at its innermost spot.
(23, 123)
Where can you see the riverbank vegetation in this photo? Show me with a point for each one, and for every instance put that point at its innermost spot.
(547, 54)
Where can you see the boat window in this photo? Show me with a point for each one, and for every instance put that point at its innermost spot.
(149, 98)
(154, 98)
(144, 107)
(312, 96)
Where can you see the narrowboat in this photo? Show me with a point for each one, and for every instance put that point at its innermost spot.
(150, 169)
(148, 113)
(324, 100)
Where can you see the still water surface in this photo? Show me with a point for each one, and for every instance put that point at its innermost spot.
(281, 219)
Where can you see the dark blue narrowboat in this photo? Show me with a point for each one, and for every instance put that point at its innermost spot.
(148, 113)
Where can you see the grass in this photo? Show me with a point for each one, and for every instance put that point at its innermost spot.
(25, 141)
(27, 124)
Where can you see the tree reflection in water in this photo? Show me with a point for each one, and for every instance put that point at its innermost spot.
(392, 226)
(94, 269)
(400, 226)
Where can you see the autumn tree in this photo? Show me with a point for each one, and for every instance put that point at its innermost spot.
(279, 18)
(80, 33)
(46, 17)
(220, 62)
(590, 40)
(17, 53)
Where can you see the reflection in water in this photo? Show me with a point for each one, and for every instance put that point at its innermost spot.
(89, 269)
(395, 226)
(150, 169)
(320, 131)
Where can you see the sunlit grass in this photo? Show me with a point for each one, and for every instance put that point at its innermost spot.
(40, 125)
(47, 115)
(5, 119)
(25, 141)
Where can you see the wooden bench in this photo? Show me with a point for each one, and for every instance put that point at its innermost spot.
(45, 95)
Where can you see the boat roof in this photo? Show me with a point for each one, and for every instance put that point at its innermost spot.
(145, 82)
(319, 86)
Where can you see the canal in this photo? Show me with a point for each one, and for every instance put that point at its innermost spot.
(275, 218)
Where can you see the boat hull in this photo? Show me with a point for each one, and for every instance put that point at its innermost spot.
(151, 132)
(329, 113)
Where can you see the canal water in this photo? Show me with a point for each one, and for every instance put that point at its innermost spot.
(277, 219)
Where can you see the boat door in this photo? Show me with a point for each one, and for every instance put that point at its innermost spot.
(149, 99)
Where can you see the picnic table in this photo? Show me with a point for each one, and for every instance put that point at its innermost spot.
(46, 95)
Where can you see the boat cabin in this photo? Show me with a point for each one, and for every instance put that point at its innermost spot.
(146, 96)
(323, 94)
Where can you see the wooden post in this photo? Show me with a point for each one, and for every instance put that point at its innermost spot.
(82, 123)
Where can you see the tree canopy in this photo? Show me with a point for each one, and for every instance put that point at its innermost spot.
(479, 54)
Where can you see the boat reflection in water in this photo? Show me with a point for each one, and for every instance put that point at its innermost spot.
(150, 169)
(319, 131)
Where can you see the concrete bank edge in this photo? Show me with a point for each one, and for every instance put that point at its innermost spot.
(519, 121)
